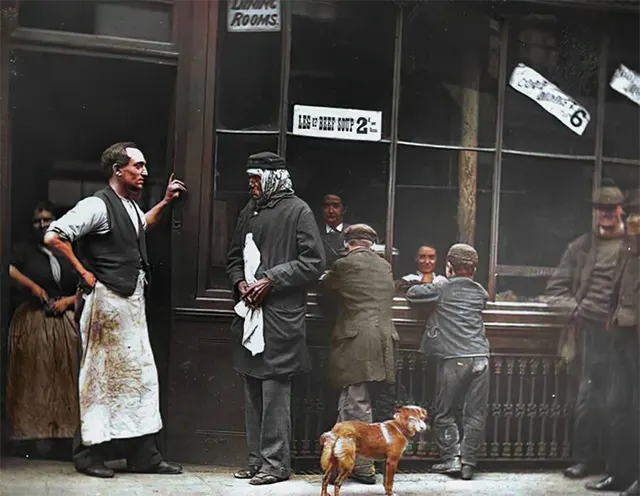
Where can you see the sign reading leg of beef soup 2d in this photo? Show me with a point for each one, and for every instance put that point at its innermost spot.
(627, 83)
(550, 97)
(253, 15)
(337, 123)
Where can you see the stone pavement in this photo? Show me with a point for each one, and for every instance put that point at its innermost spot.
(34, 478)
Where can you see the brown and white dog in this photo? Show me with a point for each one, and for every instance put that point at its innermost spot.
(382, 441)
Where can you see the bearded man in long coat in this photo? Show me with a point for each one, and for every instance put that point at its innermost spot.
(276, 252)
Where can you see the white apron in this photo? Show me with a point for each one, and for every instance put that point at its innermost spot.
(118, 383)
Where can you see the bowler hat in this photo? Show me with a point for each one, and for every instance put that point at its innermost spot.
(265, 160)
(608, 194)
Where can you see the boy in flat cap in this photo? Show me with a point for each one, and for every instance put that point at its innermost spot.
(275, 252)
(623, 405)
(583, 285)
(364, 338)
(455, 336)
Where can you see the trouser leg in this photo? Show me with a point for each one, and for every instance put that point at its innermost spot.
(622, 406)
(87, 456)
(450, 374)
(141, 452)
(275, 434)
(355, 404)
(476, 403)
(253, 418)
(589, 417)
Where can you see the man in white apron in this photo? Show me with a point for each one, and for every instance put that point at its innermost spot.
(118, 380)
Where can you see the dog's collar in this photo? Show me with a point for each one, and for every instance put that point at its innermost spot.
(400, 429)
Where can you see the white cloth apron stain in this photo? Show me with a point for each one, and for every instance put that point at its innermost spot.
(118, 382)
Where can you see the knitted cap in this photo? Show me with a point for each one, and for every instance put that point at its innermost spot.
(360, 231)
(265, 160)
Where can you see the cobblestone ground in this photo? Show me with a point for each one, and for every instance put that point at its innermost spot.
(34, 477)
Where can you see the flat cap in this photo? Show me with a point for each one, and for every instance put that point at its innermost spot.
(463, 253)
(265, 160)
(360, 231)
(608, 194)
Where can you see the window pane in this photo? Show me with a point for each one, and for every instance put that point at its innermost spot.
(449, 74)
(357, 172)
(148, 20)
(564, 48)
(426, 205)
(342, 55)
(248, 94)
(231, 194)
(622, 116)
(544, 205)
(626, 177)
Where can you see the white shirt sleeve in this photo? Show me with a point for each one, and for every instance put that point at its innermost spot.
(89, 216)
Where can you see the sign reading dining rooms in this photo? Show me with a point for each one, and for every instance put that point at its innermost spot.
(253, 16)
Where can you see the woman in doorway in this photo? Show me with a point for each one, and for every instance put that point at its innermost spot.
(42, 396)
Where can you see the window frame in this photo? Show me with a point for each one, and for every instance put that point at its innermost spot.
(504, 18)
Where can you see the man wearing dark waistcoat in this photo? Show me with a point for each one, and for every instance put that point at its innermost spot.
(275, 253)
(583, 285)
(623, 405)
(118, 380)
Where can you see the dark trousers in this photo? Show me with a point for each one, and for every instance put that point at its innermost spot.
(589, 415)
(140, 452)
(461, 381)
(623, 405)
(268, 425)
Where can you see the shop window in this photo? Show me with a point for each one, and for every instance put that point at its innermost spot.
(142, 19)
(80, 109)
(426, 204)
(358, 172)
(449, 74)
(231, 194)
(545, 203)
(564, 49)
(622, 116)
(342, 56)
(248, 78)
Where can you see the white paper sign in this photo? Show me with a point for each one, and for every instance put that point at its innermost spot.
(627, 83)
(253, 15)
(337, 123)
(550, 97)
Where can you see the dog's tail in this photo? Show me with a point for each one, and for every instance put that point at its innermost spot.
(327, 458)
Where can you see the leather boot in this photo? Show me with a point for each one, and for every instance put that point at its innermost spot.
(609, 483)
(448, 466)
(97, 470)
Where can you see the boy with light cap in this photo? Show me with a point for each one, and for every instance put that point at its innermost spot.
(455, 336)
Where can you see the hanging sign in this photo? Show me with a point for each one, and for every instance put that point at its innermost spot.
(253, 15)
(550, 97)
(627, 83)
(337, 123)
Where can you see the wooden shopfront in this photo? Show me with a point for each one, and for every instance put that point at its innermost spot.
(461, 156)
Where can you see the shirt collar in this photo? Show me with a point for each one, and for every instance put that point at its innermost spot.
(337, 229)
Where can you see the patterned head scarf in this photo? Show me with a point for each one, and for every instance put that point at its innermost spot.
(274, 182)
